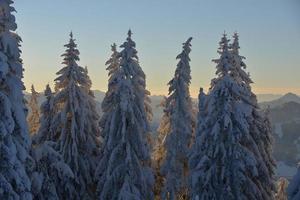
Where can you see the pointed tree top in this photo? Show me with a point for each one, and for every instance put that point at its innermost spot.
(186, 48)
(71, 35)
(201, 90)
(202, 99)
(48, 90)
(129, 33)
(235, 44)
(189, 40)
(235, 36)
(224, 42)
(32, 89)
(113, 47)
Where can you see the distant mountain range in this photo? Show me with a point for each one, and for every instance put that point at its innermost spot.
(289, 97)
(284, 116)
(267, 97)
(285, 119)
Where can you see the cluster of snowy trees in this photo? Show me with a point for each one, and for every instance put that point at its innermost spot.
(222, 150)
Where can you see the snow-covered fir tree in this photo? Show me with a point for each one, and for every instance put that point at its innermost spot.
(14, 135)
(260, 125)
(52, 177)
(93, 115)
(130, 63)
(112, 64)
(179, 110)
(239, 73)
(45, 131)
(293, 189)
(226, 161)
(76, 135)
(124, 169)
(159, 151)
(164, 124)
(34, 117)
(201, 108)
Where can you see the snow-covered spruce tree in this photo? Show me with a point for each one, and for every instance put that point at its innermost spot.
(239, 73)
(46, 119)
(124, 169)
(14, 135)
(93, 115)
(112, 64)
(179, 110)
(34, 117)
(225, 161)
(260, 125)
(129, 62)
(78, 143)
(201, 108)
(159, 152)
(52, 177)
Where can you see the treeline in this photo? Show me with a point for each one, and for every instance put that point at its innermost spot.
(222, 150)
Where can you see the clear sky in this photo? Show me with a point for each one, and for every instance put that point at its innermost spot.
(269, 38)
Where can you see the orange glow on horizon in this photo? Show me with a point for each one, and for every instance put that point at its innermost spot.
(194, 91)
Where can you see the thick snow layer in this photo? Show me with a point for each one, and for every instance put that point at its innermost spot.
(123, 171)
(178, 111)
(14, 138)
(231, 157)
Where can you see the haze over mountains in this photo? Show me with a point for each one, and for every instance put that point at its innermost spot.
(289, 97)
(285, 118)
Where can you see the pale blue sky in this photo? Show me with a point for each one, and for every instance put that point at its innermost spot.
(269, 37)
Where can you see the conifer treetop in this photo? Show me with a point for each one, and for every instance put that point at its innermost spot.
(235, 44)
(129, 33)
(33, 119)
(223, 63)
(183, 69)
(76, 130)
(48, 91)
(238, 71)
(123, 170)
(33, 91)
(113, 62)
(129, 52)
(72, 71)
(179, 111)
(130, 64)
(71, 54)
(231, 157)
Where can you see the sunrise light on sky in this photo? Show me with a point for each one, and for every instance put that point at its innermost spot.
(269, 38)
